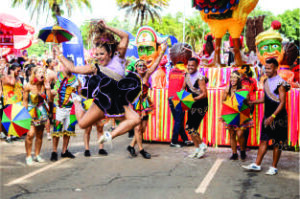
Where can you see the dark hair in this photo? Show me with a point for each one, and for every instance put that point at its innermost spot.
(48, 62)
(14, 66)
(110, 48)
(248, 71)
(209, 46)
(272, 61)
(195, 60)
(28, 69)
(239, 83)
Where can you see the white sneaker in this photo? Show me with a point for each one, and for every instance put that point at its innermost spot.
(203, 147)
(29, 161)
(252, 167)
(272, 171)
(76, 97)
(106, 137)
(49, 136)
(200, 153)
(39, 159)
(194, 154)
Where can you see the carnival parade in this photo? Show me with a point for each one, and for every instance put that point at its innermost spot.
(201, 104)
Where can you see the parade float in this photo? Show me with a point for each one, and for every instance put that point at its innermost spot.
(223, 16)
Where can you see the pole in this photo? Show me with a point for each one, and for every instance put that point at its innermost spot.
(183, 32)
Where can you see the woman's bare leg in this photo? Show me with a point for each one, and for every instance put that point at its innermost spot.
(131, 120)
(241, 138)
(100, 126)
(233, 141)
(28, 140)
(86, 137)
(86, 119)
(39, 139)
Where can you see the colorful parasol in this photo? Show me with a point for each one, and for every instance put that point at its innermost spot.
(55, 34)
(234, 109)
(16, 120)
(73, 119)
(183, 100)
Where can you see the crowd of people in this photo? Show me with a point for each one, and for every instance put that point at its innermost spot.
(51, 90)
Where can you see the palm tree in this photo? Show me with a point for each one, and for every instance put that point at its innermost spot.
(143, 9)
(195, 31)
(40, 6)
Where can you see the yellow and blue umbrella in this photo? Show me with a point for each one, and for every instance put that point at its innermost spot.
(55, 34)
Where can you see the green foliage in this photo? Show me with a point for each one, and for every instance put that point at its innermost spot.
(38, 49)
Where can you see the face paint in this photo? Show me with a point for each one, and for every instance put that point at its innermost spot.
(147, 45)
(269, 46)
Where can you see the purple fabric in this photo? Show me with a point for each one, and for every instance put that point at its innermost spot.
(194, 77)
(273, 83)
(117, 65)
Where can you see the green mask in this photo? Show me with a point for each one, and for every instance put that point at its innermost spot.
(269, 46)
(145, 50)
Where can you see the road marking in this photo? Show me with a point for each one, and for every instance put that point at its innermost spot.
(24, 178)
(209, 176)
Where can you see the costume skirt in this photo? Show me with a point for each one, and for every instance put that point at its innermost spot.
(110, 95)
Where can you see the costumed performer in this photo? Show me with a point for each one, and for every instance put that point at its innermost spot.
(111, 90)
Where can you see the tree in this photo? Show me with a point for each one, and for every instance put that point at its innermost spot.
(143, 9)
(290, 20)
(44, 6)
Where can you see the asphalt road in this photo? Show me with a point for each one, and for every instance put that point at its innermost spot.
(169, 174)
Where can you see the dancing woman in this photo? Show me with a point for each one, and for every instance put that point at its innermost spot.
(143, 105)
(235, 85)
(111, 90)
(34, 99)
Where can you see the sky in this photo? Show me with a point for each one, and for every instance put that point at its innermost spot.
(107, 9)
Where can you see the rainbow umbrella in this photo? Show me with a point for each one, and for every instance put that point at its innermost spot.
(55, 34)
(234, 109)
(73, 119)
(183, 100)
(16, 120)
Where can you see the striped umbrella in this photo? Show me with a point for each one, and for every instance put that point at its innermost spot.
(55, 34)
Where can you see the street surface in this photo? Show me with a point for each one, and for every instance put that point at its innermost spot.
(170, 174)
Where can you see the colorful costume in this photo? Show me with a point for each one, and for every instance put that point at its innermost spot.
(143, 105)
(111, 89)
(63, 102)
(12, 94)
(277, 131)
(38, 108)
(200, 107)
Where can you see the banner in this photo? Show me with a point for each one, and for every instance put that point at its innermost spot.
(74, 48)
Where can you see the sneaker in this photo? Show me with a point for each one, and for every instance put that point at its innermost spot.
(106, 137)
(252, 167)
(145, 154)
(131, 150)
(67, 154)
(200, 154)
(203, 147)
(8, 140)
(194, 154)
(188, 143)
(53, 157)
(29, 161)
(102, 152)
(175, 145)
(243, 155)
(87, 153)
(272, 171)
(49, 136)
(234, 156)
(39, 159)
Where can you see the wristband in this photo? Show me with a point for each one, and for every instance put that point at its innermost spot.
(273, 116)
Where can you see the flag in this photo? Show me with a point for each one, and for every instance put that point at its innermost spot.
(74, 47)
